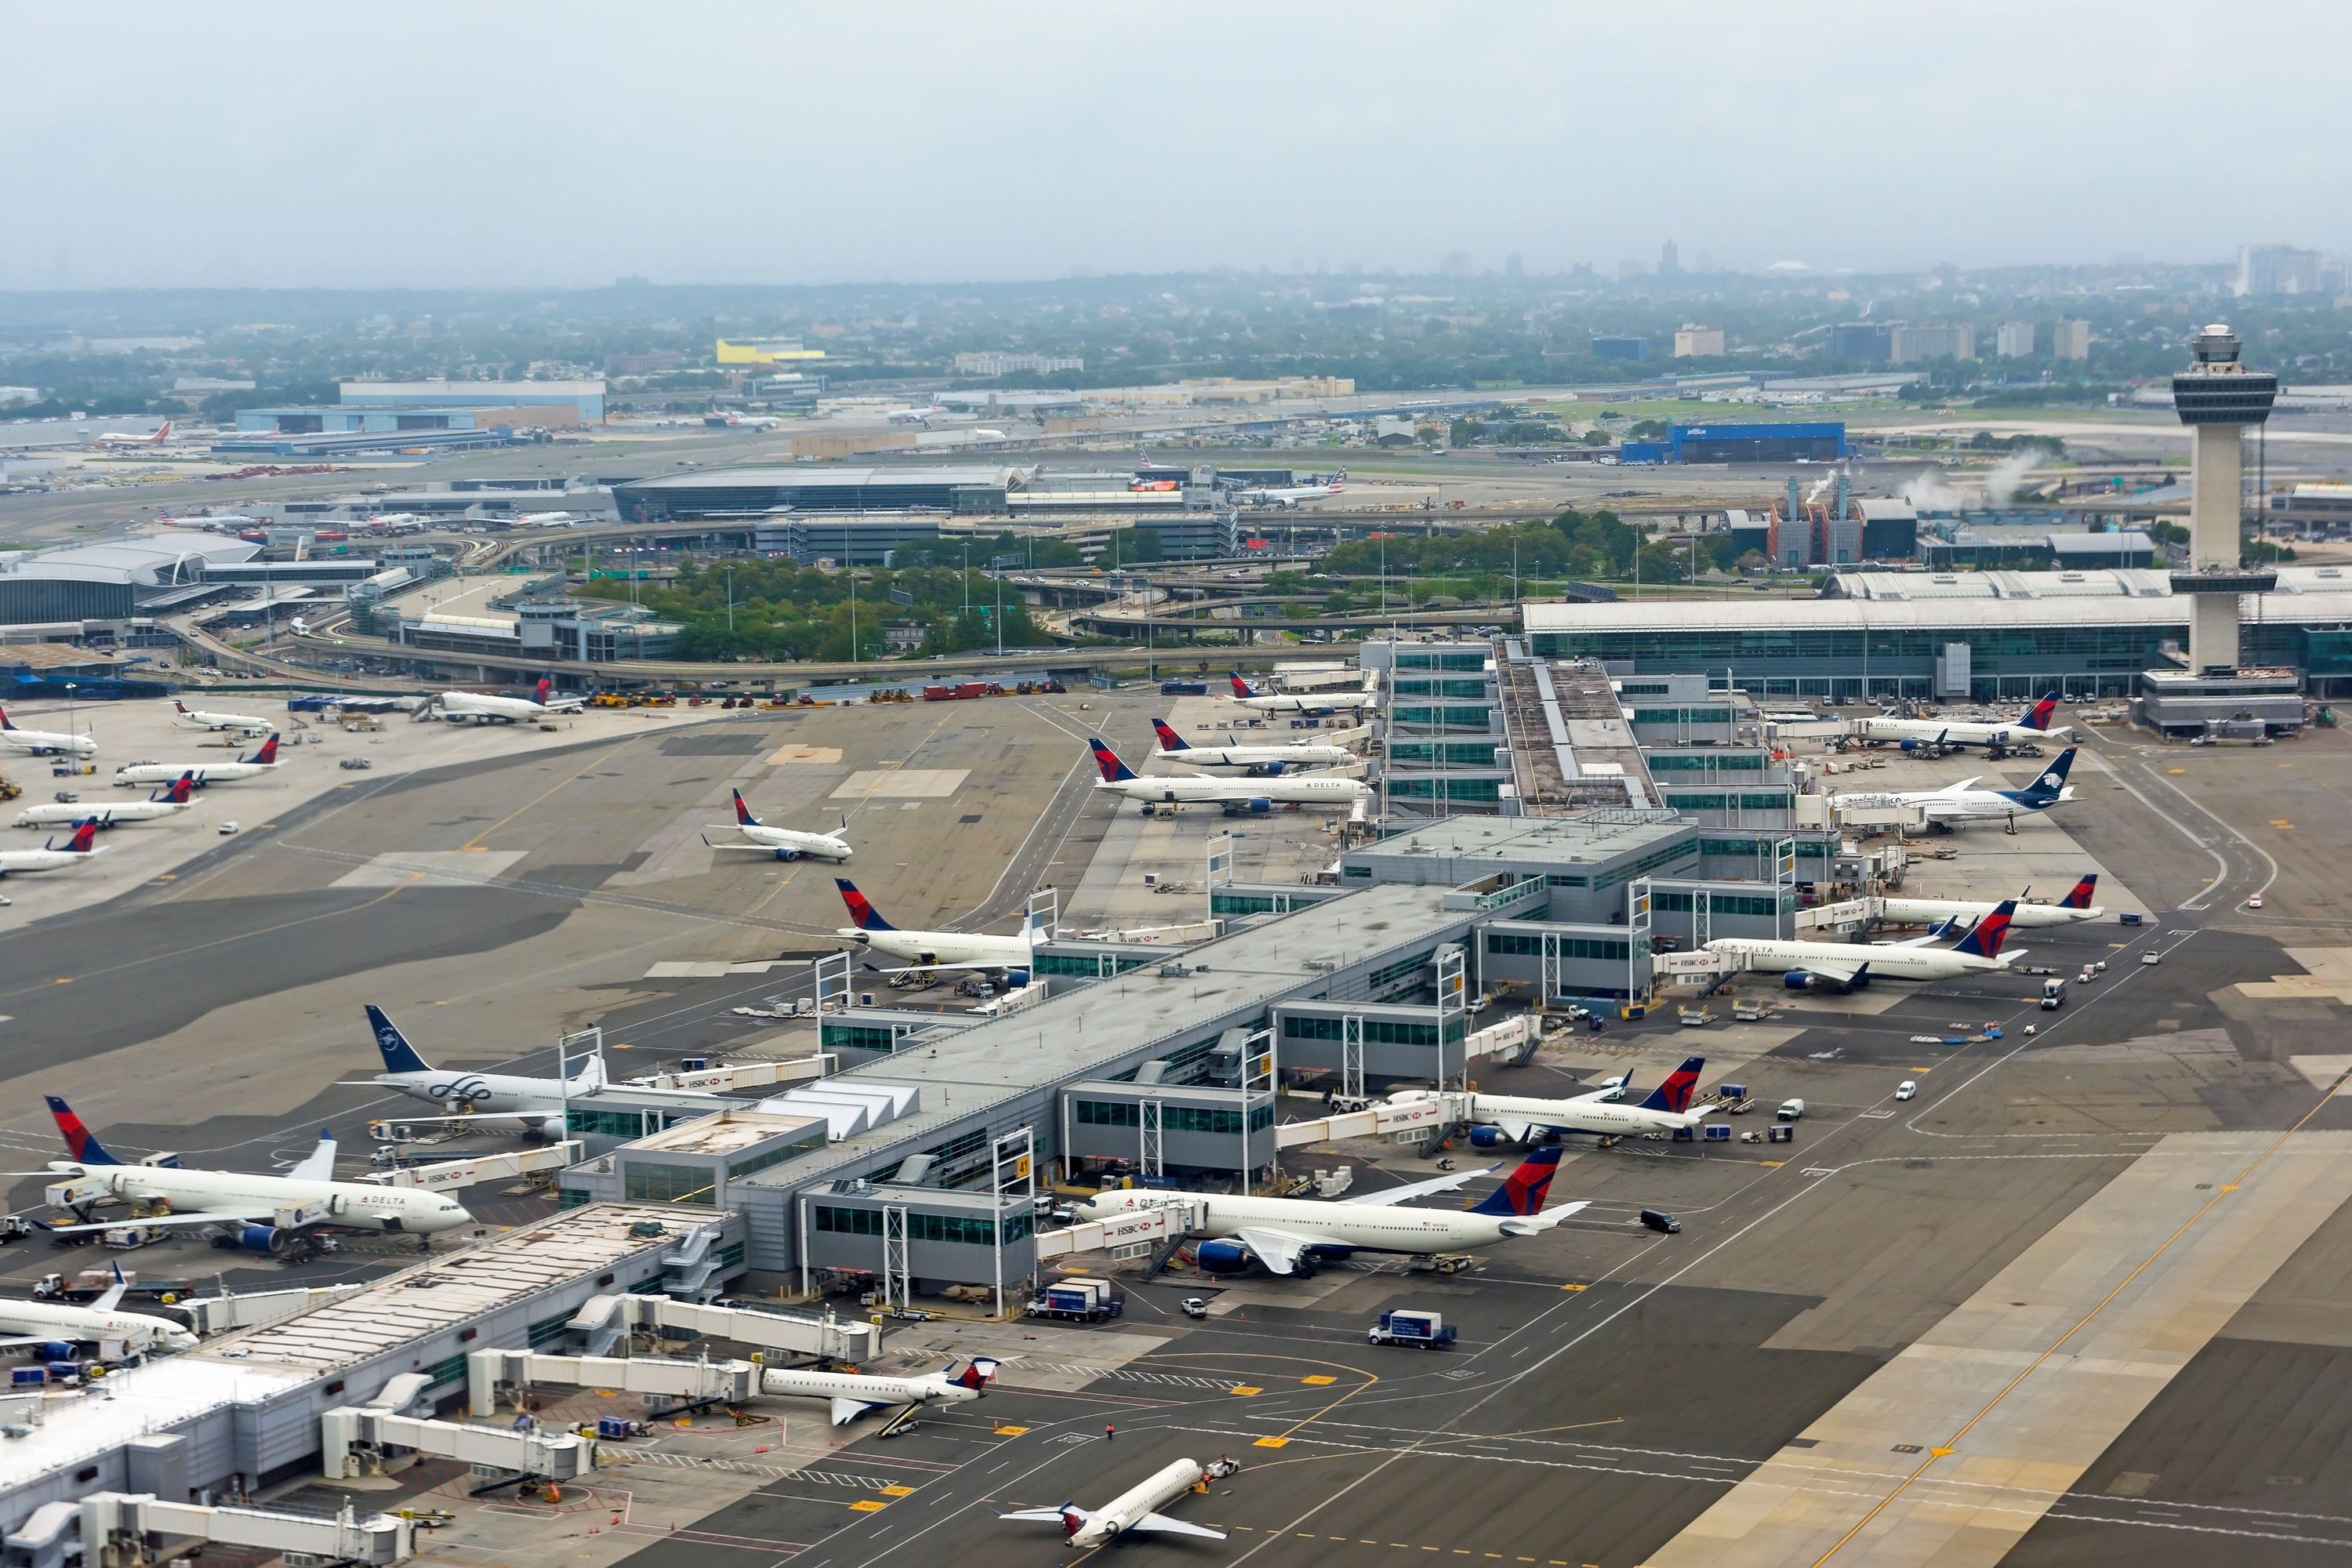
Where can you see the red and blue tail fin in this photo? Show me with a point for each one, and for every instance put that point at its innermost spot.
(1113, 770)
(979, 1374)
(85, 833)
(1984, 940)
(539, 693)
(2084, 891)
(181, 787)
(1522, 1192)
(267, 754)
(2038, 716)
(1243, 687)
(862, 914)
(3, 720)
(81, 1142)
(744, 813)
(1675, 1093)
(1170, 741)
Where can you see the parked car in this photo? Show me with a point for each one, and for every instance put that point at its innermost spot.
(1905, 1089)
(228, 827)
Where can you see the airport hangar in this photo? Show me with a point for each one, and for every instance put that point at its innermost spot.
(1986, 636)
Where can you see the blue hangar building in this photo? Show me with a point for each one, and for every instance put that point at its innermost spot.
(1819, 441)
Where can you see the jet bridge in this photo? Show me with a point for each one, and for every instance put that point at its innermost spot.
(358, 1441)
(677, 1379)
(122, 1529)
(1423, 1118)
(1143, 1228)
(606, 1321)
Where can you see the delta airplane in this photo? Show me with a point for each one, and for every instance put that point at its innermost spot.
(1249, 696)
(1289, 1236)
(1916, 733)
(155, 439)
(1848, 966)
(65, 1324)
(43, 742)
(485, 708)
(1130, 1513)
(264, 1214)
(49, 857)
(930, 949)
(744, 421)
(169, 801)
(783, 843)
(243, 723)
(263, 761)
(1287, 497)
(537, 1102)
(2074, 908)
(1261, 761)
(854, 1393)
(1961, 803)
(1239, 797)
(1499, 1118)
(546, 519)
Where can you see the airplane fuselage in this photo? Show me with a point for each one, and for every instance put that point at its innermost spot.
(47, 742)
(205, 772)
(1599, 1118)
(58, 814)
(2025, 917)
(1886, 962)
(1261, 756)
(925, 948)
(1360, 1227)
(1192, 789)
(352, 1206)
(65, 1322)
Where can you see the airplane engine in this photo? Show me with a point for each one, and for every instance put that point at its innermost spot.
(1014, 979)
(54, 1351)
(1487, 1138)
(788, 854)
(263, 1239)
(549, 1130)
(1223, 1257)
(1258, 806)
(1269, 770)
(1797, 980)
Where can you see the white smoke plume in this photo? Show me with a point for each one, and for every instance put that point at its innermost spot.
(1930, 491)
(2009, 475)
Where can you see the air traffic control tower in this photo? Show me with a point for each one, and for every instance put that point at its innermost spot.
(2217, 399)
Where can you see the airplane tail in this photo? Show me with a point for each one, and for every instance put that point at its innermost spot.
(1073, 1520)
(81, 1142)
(3, 720)
(318, 1164)
(85, 834)
(1339, 479)
(1985, 938)
(539, 693)
(978, 1375)
(181, 787)
(2050, 787)
(590, 1076)
(399, 1056)
(2084, 891)
(1113, 770)
(1675, 1093)
(744, 813)
(181, 706)
(2038, 716)
(267, 754)
(1522, 1192)
(862, 914)
(1170, 741)
(1243, 687)
(163, 435)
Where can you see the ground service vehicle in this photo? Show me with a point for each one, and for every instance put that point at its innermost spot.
(1422, 1330)
(1081, 1300)
(1790, 1110)
(1661, 1222)
(2053, 994)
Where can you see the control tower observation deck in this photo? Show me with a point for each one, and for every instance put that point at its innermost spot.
(2217, 399)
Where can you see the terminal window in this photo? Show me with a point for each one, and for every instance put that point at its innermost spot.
(647, 1181)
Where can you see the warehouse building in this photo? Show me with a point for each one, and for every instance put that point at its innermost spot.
(1746, 442)
(755, 492)
(585, 398)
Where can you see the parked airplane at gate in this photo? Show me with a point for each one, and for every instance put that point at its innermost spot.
(2073, 909)
(783, 843)
(1249, 696)
(1266, 761)
(49, 857)
(169, 801)
(67, 1324)
(154, 438)
(484, 708)
(45, 743)
(1956, 804)
(537, 1103)
(1288, 1235)
(1499, 1118)
(1239, 797)
(1287, 497)
(264, 1214)
(1846, 966)
(931, 949)
(263, 761)
(1130, 1513)
(2033, 724)
(854, 1393)
(243, 723)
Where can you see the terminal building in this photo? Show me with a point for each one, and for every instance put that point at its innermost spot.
(1760, 441)
(107, 590)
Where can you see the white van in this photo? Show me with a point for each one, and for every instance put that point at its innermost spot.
(1790, 1110)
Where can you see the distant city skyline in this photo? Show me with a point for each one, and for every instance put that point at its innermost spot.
(284, 146)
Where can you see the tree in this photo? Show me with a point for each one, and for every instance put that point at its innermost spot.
(1144, 545)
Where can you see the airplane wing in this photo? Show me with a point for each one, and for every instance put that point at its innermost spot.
(1835, 969)
(1419, 1189)
(847, 1410)
(63, 1336)
(1043, 1515)
(961, 963)
(1278, 1250)
(1164, 1525)
(111, 1297)
(205, 1217)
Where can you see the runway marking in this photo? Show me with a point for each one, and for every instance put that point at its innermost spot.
(598, 756)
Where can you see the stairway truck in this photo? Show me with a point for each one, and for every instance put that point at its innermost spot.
(1422, 1330)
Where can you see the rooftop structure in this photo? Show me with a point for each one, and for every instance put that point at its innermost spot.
(754, 491)
(108, 580)
(587, 396)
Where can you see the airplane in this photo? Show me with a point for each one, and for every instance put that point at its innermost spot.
(732, 421)
(156, 439)
(244, 723)
(1961, 803)
(1849, 966)
(65, 1324)
(1499, 1118)
(1287, 497)
(538, 1104)
(1261, 761)
(854, 1393)
(2073, 908)
(263, 1214)
(49, 857)
(263, 761)
(43, 742)
(218, 521)
(917, 416)
(931, 949)
(1239, 797)
(1249, 696)
(1916, 734)
(783, 843)
(1289, 1236)
(401, 519)
(546, 519)
(483, 708)
(1130, 1513)
(169, 801)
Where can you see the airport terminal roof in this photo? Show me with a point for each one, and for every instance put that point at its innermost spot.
(1596, 837)
(143, 560)
(830, 477)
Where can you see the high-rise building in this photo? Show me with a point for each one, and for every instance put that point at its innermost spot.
(1914, 345)
(1513, 266)
(2070, 340)
(1699, 342)
(2014, 340)
(1859, 342)
(2277, 269)
(1456, 263)
(1669, 259)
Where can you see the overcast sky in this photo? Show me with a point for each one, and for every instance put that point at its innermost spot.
(436, 143)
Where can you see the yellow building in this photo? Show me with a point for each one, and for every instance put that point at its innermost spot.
(765, 351)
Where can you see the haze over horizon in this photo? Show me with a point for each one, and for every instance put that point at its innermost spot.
(283, 146)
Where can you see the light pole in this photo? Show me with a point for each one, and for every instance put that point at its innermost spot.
(730, 600)
(69, 708)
